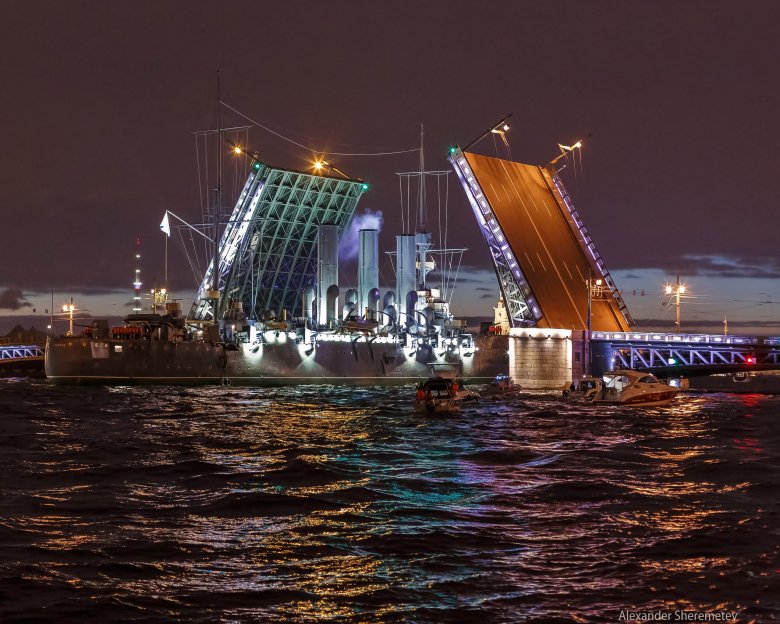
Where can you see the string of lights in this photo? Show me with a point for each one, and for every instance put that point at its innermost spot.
(307, 147)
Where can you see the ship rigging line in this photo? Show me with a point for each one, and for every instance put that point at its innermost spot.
(307, 147)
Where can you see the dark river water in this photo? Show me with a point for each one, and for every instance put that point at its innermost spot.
(328, 504)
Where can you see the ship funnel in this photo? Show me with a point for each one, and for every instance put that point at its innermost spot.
(406, 277)
(368, 272)
(327, 273)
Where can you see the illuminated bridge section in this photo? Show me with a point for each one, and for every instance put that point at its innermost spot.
(267, 252)
(20, 353)
(541, 251)
(688, 355)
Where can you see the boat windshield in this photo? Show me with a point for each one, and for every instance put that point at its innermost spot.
(648, 379)
(616, 381)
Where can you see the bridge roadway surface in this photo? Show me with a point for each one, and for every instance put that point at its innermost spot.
(552, 258)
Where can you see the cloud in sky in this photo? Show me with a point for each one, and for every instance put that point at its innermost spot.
(13, 299)
(707, 265)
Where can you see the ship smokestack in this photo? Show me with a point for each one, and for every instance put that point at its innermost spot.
(327, 273)
(368, 272)
(406, 278)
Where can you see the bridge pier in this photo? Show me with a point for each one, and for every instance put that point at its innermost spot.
(542, 359)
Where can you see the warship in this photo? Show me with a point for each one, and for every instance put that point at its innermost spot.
(269, 309)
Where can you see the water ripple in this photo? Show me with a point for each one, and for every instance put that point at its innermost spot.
(316, 504)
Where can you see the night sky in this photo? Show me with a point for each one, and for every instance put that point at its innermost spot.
(680, 176)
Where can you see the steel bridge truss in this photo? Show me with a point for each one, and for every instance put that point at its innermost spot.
(21, 352)
(586, 242)
(268, 252)
(520, 303)
(692, 354)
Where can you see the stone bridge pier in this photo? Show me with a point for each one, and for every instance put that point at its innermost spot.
(545, 359)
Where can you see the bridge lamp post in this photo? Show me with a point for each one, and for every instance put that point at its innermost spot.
(592, 285)
(676, 290)
(69, 308)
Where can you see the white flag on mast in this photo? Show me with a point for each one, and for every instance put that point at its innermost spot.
(165, 226)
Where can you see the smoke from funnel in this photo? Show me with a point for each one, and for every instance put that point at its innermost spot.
(348, 248)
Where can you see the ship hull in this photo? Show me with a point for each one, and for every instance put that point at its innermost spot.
(86, 360)
(348, 360)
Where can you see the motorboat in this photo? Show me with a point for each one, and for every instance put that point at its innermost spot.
(584, 389)
(630, 387)
(502, 386)
(467, 395)
(438, 395)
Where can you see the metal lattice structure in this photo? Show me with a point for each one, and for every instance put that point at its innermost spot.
(559, 191)
(686, 354)
(21, 352)
(518, 297)
(543, 256)
(267, 252)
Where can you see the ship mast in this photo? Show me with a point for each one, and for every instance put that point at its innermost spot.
(218, 205)
(422, 235)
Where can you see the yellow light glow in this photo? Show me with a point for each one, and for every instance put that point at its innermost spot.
(598, 282)
(318, 164)
(668, 290)
(682, 289)
(236, 150)
(577, 144)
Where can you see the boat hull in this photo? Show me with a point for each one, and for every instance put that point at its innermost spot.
(647, 400)
(282, 361)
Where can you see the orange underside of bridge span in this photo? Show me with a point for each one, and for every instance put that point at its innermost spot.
(547, 245)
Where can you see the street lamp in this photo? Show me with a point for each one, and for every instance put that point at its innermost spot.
(69, 308)
(319, 165)
(675, 292)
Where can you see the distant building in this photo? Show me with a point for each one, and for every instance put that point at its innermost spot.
(20, 335)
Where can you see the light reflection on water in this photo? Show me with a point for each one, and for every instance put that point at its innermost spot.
(319, 504)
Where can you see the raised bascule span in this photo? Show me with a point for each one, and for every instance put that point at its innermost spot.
(544, 258)
(268, 249)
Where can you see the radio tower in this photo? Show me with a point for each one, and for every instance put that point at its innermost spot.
(137, 282)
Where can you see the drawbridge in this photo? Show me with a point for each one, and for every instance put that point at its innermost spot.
(267, 251)
(548, 268)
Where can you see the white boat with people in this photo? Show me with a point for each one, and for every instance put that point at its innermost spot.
(503, 386)
(584, 389)
(636, 388)
(438, 395)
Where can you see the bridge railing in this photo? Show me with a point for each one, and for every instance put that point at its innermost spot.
(684, 338)
(19, 352)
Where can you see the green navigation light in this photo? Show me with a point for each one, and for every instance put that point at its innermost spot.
(453, 149)
(365, 186)
(256, 166)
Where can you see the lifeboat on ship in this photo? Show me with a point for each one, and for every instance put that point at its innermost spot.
(630, 387)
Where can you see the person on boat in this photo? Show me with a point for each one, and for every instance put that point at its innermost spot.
(420, 392)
